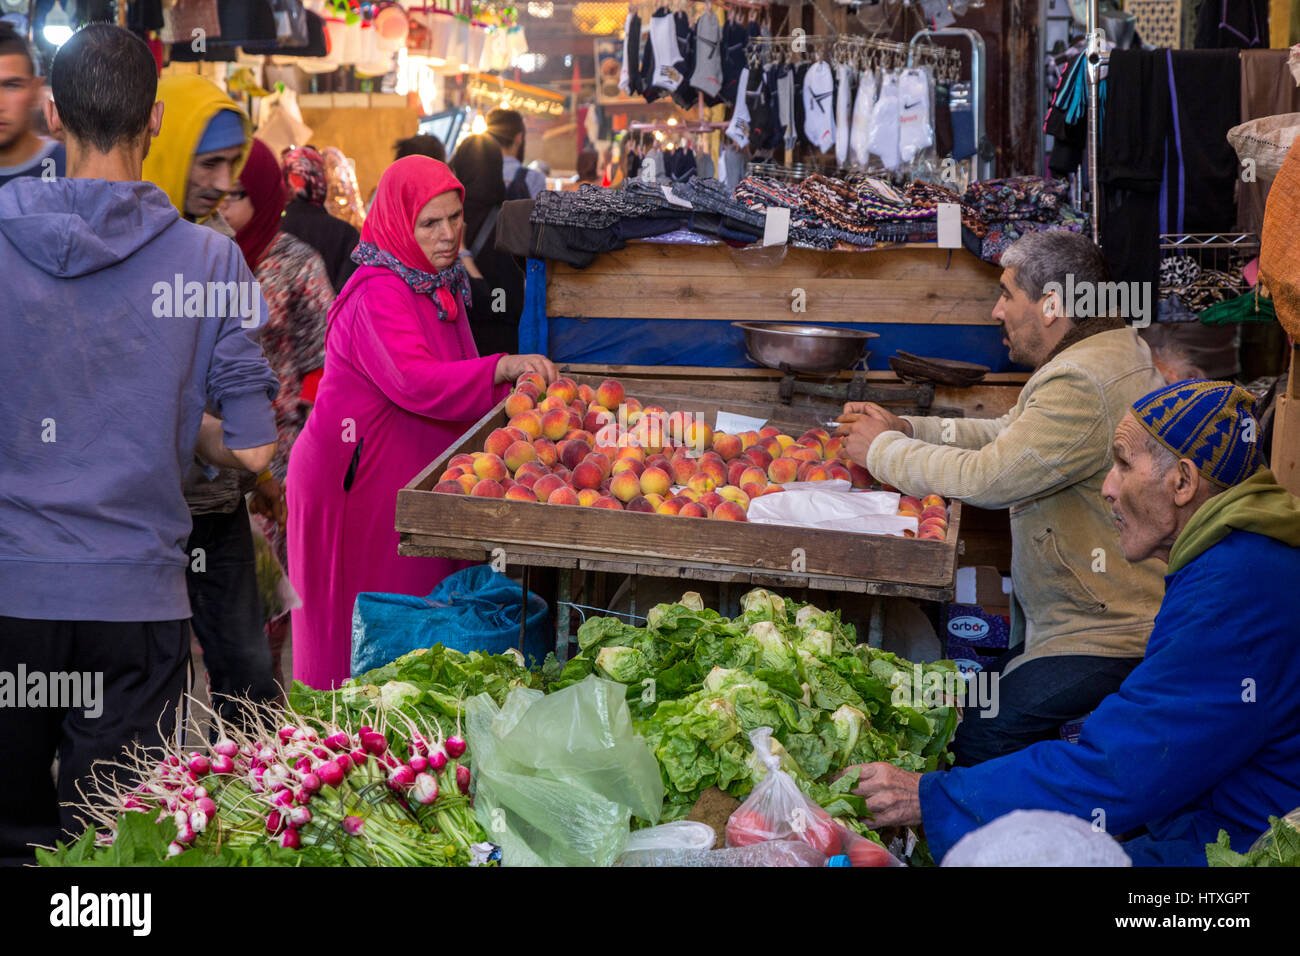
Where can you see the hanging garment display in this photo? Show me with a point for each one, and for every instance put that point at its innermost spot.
(667, 53)
(738, 127)
(915, 132)
(685, 95)
(863, 105)
(785, 97)
(735, 37)
(884, 122)
(631, 42)
(843, 111)
(707, 75)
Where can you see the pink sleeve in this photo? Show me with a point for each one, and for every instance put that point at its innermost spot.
(389, 346)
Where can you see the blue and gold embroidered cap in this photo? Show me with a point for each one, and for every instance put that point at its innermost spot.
(1211, 423)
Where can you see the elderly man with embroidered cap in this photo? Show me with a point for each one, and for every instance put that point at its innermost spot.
(1204, 734)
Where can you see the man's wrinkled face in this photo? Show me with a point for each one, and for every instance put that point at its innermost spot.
(19, 93)
(1022, 321)
(1141, 500)
(438, 228)
(211, 176)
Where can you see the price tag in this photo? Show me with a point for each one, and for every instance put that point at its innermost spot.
(949, 225)
(776, 227)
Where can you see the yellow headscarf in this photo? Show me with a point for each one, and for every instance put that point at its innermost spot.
(190, 102)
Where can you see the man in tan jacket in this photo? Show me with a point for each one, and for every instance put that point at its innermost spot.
(1081, 614)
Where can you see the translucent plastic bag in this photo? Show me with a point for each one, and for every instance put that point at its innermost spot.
(558, 777)
(777, 809)
(678, 835)
(772, 853)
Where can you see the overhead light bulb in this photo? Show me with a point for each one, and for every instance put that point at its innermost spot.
(479, 126)
(58, 27)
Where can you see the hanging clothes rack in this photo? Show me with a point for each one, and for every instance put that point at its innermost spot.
(921, 46)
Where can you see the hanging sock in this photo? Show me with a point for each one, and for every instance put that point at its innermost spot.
(863, 104)
(631, 28)
(914, 132)
(843, 111)
(785, 104)
(818, 108)
(667, 54)
(884, 122)
(707, 76)
(738, 128)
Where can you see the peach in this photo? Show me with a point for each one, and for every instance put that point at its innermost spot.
(934, 511)
(839, 471)
(547, 453)
(698, 434)
(701, 482)
(565, 389)
(912, 501)
(934, 501)
(563, 496)
(834, 448)
(582, 433)
(655, 410)
(628, 464)
(534, 377)
(487, 488)
(769, 431)
(625, 486)
(588, 496)
(820, 434)
(449, 487)
(659, 461)
(531, 390)
(517, 402)
(773, 490)
(912, 511)
(655, 481)
(575, 421)
(803, 453)
(691, 494)
(671, 506)
(757, 456)
(754, 489)
(772, 446)
(752, 475)
(887, 487)
(735, 469)
(641, 503)
(555, 424)
(603, 460)
(563, 474)
(747, 440)
(546, 485)
(518, 454)
(508, 483)
(649, 433)
(468, 481)
(527, 479)
(573, 451)
(784, 440)
(633, 418)
(675, 426)
(782, 470)
(693, 509)
(587, 475)
(521, 493)
(461, 460)
(654, 499)
(683, 468)
(609, 502)
(633, 405)
(939, 523)
(729, 511)
(497, 442)
(635, 452)
(597, 417)
(714, 469)
(610, 393)
(860, 476)
(552, 403)
(586, 393)
(711, 500)
(604, 486)
(607, 448)
(931, 533)
(530, 422)
(728, 446)
(732, 493)
(491, 466)
(818, 472)
(452, 473)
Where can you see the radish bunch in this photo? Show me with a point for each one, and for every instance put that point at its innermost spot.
(391, 792)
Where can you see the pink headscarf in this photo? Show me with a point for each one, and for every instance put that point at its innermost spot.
(404, 189)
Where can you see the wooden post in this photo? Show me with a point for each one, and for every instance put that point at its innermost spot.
(1286, 430)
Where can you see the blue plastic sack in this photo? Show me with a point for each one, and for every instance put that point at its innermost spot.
(475, 609)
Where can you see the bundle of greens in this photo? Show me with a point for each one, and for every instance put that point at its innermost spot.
(698, 683)
(1280, 846)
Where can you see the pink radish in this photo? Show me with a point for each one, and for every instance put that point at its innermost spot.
(185, 834)
(198, 821)
(401, 777)
(462, 778)
(344, 761)
(425, 789)
(226, 747)
(200, 764)
(419, 764)
(437, 759)
(175, 849)
(311, 782)
(282, 799)
(188, 793)
(301, 796)
(289, 840)
(274, 822)
(222, 764)
(455, 746)
(353, 825)
(174, 760)
(299, 817)
(338, 741)
(207, 806)
(321, 753)
(286, 734)
(302, 765)
(359, 757)
(330, 773)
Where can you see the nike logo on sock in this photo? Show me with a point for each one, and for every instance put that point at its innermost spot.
(911, 106)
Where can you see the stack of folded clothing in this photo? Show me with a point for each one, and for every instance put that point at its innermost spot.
(1011, 208)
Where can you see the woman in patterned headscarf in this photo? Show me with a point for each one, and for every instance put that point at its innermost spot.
(307, 218)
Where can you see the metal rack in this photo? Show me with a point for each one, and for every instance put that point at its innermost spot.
(982, 168)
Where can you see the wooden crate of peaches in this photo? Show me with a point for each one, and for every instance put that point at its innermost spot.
(596, 449)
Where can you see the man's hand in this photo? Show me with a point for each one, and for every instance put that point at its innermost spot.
(268, 500)
(893, 795)
(855, 411)
(212, 448)
(860, 435)
(510, 367)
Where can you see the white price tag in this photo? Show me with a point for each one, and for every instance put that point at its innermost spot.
(949, 225)
(776, 227)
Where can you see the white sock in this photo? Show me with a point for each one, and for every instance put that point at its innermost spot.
(818, 107)
(785, 107)
(914, 132)
(843, 111)
(863, 104)
(623, 80)
(884, 122)
(707, 76)
(668, 55)
(738, 128)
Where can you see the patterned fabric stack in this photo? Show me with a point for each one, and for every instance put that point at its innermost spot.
(1012, 208)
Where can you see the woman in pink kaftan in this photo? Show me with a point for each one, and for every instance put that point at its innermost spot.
(402, 381)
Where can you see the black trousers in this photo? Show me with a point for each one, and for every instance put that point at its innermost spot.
(1034, 700)
(138, 673)
(222, 581)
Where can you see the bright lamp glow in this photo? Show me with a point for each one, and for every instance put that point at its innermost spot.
(479, 126)
(58, 28)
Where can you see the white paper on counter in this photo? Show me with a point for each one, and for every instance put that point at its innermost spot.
(814, 504)
(735, 424)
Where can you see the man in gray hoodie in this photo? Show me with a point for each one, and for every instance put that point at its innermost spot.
(121, 322)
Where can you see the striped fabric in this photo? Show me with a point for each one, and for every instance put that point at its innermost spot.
(1212, 423)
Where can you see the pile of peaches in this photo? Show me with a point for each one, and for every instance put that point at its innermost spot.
(570, 444)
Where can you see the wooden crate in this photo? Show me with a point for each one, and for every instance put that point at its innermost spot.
(638, 543)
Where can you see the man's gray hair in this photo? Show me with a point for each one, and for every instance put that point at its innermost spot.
(1162, 459)
(1043, 257)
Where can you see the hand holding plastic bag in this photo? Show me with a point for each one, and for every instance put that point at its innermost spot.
(558, 777)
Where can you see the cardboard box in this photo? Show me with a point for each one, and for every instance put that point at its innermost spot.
(977, 628)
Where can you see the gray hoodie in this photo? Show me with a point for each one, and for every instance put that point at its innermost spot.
(119, 322)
